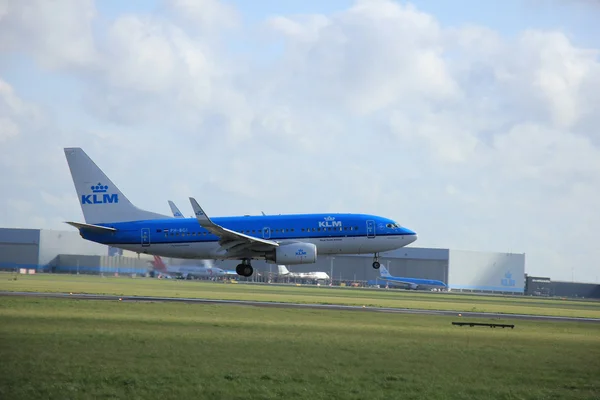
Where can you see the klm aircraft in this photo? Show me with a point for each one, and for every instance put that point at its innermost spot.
(412, 283)
(111, 219)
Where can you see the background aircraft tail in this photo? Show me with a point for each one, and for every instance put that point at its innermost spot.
(384, 272)
(158, 264)
(282, 270)
(101, 201)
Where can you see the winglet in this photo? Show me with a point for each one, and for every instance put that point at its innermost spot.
(175, 210)
(202, 218)
(222, 232)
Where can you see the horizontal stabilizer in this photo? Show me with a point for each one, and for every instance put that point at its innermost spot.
(90, 227)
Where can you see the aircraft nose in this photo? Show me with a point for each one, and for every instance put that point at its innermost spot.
(411, 236)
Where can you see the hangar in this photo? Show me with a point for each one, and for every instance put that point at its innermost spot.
(46, 250)
(66, 251)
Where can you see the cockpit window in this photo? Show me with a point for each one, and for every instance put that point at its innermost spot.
(394, 226)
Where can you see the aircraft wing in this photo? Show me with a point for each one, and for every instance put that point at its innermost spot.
(231, 241)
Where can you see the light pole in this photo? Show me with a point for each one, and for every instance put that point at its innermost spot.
(331, 271)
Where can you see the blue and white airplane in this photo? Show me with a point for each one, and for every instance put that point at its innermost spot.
(412, 283)
(111, 219)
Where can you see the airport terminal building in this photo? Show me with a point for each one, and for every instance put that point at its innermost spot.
(66, 252)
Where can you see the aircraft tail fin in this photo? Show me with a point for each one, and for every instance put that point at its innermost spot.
(158, 264)
(282, 270)
(384, 272)
(100, 199)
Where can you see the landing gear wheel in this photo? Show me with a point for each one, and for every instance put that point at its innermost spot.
(376, 264)
(247, 270)
(244, 269)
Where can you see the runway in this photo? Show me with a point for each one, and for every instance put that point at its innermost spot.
(464, 314)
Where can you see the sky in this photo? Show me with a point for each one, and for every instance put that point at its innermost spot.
(473, 123)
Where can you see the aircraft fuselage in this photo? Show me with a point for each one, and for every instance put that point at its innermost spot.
(185, 238)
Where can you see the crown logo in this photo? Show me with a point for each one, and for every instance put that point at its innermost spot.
(99, 188)
(329, 218)
(508, 275)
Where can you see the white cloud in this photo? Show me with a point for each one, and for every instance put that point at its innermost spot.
(58, 34)
(205, 16)
(12, 112)
(471, 138)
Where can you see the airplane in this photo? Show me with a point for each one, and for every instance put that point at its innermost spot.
(186, 271)
(316, 275)
(111, 219)
(412, 283)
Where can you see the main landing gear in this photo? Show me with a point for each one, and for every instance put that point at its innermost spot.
(244, 269)
(376, 264)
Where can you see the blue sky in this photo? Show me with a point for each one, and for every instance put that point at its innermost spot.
(489, 149)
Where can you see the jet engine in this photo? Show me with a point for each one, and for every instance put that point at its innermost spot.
(296, 253)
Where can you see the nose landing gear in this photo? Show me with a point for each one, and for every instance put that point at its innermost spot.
(376, 264)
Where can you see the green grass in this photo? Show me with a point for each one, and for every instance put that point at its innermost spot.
(299, 294)
(87, 349)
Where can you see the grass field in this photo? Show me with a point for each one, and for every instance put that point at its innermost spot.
(87, 349)
(302, 294)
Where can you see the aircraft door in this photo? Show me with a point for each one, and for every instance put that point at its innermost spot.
(370, 229)
(266, 233)
(145, 237)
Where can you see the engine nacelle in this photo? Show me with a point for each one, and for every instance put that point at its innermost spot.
(296, 253)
